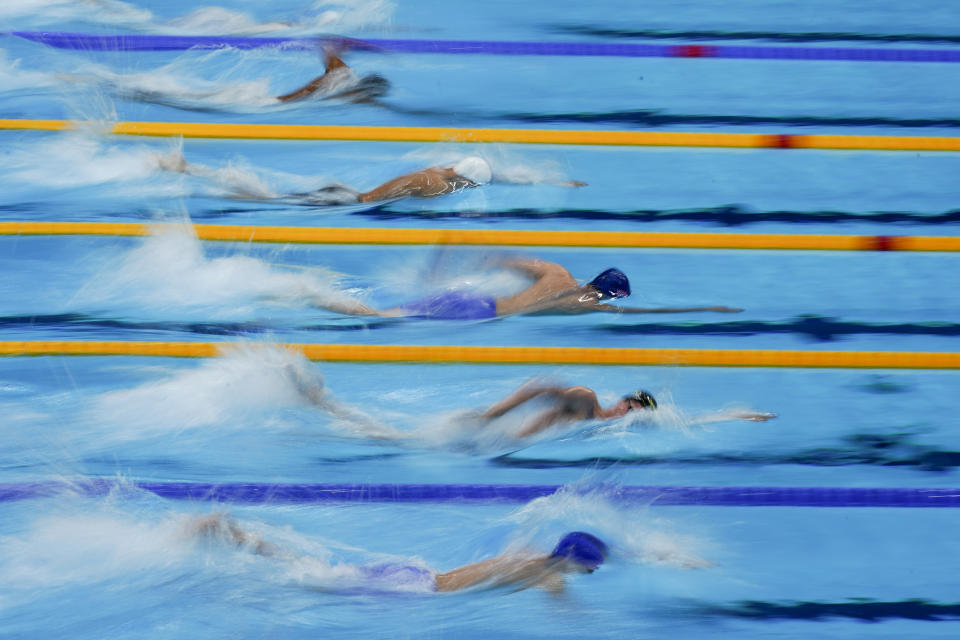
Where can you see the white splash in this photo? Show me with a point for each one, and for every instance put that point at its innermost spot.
(80, 548)
(15, 78)
(82, 159)
(170, 271)
(221, 392)
(508, 165)
(108, 12)
(175, 84)
(632, 534)
(339, 16)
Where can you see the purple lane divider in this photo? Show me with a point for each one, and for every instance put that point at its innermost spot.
(259, 493)
(142, 42)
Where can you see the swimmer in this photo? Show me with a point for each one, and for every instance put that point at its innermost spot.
(553, 292)
(575, 404)
(469, 172)
(566, 405)
(338, 82)
(576, 552)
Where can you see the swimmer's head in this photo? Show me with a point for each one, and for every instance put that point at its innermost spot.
(586, 550)
(475, 169)
(640, 399)
(612, 283)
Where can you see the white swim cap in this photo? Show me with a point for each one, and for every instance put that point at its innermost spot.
(474, 169)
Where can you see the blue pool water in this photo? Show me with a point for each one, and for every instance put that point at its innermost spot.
(126, 565)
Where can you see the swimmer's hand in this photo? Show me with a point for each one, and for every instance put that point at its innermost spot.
(722, 309)
(173, 161)
(573, 183)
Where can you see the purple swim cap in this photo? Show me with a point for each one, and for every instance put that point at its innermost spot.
(581, 547)
(612, 283)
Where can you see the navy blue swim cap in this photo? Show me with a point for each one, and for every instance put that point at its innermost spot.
(612, 283)
(581, 547)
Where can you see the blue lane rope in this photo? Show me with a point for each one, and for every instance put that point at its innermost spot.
(259, 493)
(140, 42)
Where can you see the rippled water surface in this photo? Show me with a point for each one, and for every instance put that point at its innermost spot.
(128, 563)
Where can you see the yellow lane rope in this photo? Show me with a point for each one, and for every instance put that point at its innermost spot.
(511, 355)
(526, 136)
(498, 237)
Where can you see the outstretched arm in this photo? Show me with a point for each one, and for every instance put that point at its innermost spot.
(240, 184)
(311, 389)
(612, 309)
(733, 414)
(332, 62)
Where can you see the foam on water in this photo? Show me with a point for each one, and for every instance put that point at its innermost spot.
(170, 272)
(15, 78)
(634, 535)
(228, 392)
(323, 15)
(81, 159)
(177, 83)
(86, 547)
(41, 12)
(446, 269)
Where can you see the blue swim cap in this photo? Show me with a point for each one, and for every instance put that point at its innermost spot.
(612, 283)
(581, 547)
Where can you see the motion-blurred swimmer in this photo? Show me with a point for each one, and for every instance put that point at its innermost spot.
(338, 82)
(576, 404)
(553, 292)
(576, 552)
(556, 406)
(472, 171)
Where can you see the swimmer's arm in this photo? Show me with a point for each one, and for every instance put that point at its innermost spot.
(332, 62)
(346, 307)
(533, 268)
(220, 525)
(469, 575)
(305, 91)
(514, 400)
(606, 308)
(577, 403)
(425, 183)
(501, 570)
(546, 420)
